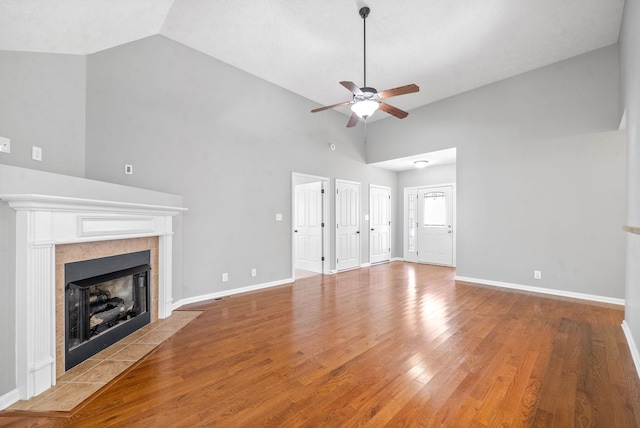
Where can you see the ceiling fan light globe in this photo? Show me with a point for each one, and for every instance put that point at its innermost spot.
(364, 108)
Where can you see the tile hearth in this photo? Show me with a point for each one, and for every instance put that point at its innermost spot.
(79, 383)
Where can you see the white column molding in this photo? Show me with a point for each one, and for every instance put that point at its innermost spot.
(42, 222)
(165, 293)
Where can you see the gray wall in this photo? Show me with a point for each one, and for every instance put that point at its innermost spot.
(630, 71)
(42, 103)
(225, 140)
(8, 301)
(539, 185)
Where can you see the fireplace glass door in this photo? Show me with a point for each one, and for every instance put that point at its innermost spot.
(105, 300)
(95, 308)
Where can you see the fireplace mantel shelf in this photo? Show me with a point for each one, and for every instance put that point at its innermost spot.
(33, 202)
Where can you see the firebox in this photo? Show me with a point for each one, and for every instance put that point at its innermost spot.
(106, 299)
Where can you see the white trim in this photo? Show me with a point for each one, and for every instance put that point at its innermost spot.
(225, 293)
(34, 202)
(364, 265)
(551, 291)
(633, 347)
(9, 398)
(396, 259)
(623, 121)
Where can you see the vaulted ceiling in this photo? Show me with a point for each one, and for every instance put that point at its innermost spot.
(307, 47)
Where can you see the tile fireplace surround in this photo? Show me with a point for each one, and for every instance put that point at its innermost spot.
(45, 225)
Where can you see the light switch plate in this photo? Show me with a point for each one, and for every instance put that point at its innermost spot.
(278, 216)
(5, 145)
(128, 169)
(36, 153)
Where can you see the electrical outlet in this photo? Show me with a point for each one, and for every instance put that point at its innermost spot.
(254, 272)
(5, 145)
(128, 169)
(36, 153)
(225, 277)
(537, 274)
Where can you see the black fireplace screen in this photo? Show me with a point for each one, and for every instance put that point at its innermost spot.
(102, 309)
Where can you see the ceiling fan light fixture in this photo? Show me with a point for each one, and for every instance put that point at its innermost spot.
(364, 108)
(420, 163)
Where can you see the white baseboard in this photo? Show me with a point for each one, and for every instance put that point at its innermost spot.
(397, 259)
(364, 265)
(562, 293)
(9, 398)
(202, 298)
(633, 347)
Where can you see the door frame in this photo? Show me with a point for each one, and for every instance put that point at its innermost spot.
(405, 229)
(376, 186)
(326, 201)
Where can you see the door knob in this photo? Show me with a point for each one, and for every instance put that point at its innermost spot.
(372, 229)
(295, 231)
(449, 231)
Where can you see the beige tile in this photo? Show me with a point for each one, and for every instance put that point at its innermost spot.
(67, 397)
(27, 404)
(21, 405)
(155, 337)
(104, 372)
(106, 353)
(133, 337)
(133, 352)
(78, 370)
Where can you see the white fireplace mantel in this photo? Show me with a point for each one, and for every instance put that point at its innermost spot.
(42, 222)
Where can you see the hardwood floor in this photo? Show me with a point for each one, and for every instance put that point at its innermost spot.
(396, 344)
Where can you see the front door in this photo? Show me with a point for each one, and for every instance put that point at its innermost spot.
(379, 235)
(308, 227)
(347, 225)
(435, 225)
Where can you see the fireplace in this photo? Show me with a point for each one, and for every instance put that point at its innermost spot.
(51, 231)
(106, 299)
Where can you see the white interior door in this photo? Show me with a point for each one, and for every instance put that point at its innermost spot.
(435, 225)
(347, 225)
(380, 223)
(308, 227)
(411, 225)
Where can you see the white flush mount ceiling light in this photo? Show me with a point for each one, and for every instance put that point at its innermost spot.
(420, 163)
(367, 100)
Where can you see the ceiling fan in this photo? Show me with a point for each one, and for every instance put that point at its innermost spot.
(367, 100)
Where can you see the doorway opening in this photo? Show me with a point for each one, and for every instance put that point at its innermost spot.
(310, 225)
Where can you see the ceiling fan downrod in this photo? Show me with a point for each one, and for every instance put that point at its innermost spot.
(364, 13)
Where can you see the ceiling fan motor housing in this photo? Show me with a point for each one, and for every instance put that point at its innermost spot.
(367, 94)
